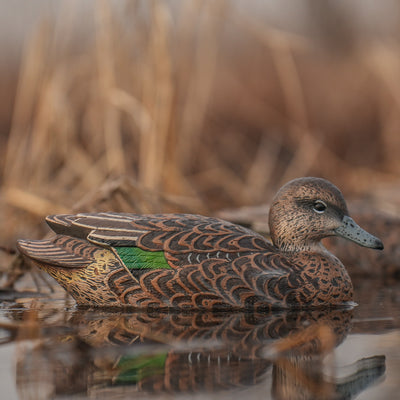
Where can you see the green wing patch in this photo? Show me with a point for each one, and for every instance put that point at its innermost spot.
(134, 369)
(135, 258)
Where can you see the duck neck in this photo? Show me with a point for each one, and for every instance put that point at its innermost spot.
(289, 238)
(293, 248)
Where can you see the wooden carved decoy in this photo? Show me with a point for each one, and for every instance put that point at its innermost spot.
(183, 261)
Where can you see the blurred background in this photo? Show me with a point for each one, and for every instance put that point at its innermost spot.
(191, 105)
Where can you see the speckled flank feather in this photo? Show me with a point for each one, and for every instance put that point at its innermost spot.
(184, 261)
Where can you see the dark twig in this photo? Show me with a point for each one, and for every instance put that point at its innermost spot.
(8, 250)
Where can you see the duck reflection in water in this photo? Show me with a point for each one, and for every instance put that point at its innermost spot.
(122, 354)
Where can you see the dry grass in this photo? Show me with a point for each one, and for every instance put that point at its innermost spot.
(192, 107)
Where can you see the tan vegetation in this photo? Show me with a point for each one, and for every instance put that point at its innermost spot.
(191, 106)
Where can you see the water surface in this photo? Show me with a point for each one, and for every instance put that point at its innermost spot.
(50, 349)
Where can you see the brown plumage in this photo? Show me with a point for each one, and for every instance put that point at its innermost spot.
(181, 261)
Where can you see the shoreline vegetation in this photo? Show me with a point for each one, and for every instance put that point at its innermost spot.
(193, 108)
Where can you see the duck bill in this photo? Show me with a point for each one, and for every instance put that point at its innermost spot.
(351, 231)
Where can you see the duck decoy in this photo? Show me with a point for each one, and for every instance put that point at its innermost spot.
(183, 261)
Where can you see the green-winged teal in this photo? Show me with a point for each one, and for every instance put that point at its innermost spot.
(182, 261)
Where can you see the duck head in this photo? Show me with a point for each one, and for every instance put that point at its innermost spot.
(306, 210)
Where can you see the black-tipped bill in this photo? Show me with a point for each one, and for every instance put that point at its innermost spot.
(350, 230)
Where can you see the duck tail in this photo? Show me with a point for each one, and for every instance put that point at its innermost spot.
(60, 251)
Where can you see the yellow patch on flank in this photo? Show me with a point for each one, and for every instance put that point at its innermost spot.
(87, 285)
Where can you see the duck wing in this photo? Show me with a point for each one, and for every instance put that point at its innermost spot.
(172, 233)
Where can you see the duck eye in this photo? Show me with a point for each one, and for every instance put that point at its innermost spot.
(319, 206)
